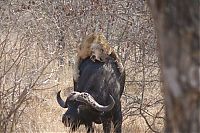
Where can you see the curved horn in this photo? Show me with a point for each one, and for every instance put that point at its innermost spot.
(88, 99)
(60, 101)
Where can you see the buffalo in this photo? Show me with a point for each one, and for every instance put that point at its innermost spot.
(96, 97)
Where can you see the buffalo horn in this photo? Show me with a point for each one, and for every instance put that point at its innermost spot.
(60, 101)
(88, 99)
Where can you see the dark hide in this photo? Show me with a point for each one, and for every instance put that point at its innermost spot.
(99, 80)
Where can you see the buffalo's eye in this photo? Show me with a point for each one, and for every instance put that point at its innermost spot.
(78, 110)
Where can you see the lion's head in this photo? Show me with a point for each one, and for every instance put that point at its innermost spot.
(95, 46)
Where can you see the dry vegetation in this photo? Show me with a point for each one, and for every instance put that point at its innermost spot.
(38, 41)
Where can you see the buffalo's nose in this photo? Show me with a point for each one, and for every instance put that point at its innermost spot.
(68, 118)
(65, 118)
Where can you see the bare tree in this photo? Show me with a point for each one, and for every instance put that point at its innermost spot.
(177, 24)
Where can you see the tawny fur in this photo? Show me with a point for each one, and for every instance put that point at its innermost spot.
(89, 48)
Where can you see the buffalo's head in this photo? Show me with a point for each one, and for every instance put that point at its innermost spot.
(78, 102)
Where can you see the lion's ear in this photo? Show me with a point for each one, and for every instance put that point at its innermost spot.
(78, 52)
(78, 49)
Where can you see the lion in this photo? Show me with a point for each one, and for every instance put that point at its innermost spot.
(97, 48)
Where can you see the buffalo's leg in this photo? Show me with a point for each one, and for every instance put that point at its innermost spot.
(107, 126)
(117, 119)
(90, 129)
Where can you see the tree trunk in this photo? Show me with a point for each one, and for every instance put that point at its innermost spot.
(177, 24)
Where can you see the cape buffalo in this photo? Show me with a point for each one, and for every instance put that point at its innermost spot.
(96, 97)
